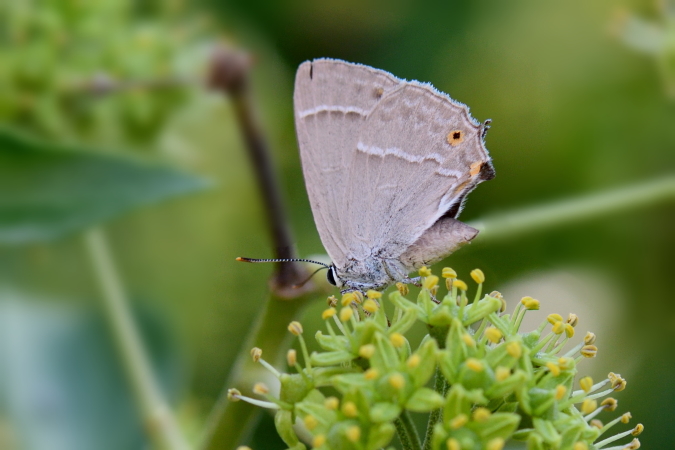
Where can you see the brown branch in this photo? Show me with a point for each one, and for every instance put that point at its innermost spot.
(230, 74)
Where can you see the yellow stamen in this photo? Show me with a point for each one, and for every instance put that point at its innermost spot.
(530, 303)
(586, 384)
(553, 318)
(346, 313)
(397, 340)
(371, 374)
(430, 282)
(637, 431)
(514, 349)
(558, 328)
(413, 361)
(589, 339)
(367, 351)
(573, 319)
(402, 288)
(481, 414)
(310, 422)
(565, 363)
(370, 306)
(328, 313)
(349, 409)
(318, 440)
(554, 368)
(373, 295)
(295, 328)
(502, 373)
(634, 445)
(625, 418)
(493, 335)
(588, 406)
(560, 392)
(453, 444)
(478, 276)
(468, 340)
(256, 353)
(589, 351)
(459, 284)
(580, 446)
(597, 423)
(348, 298)
(292, 357)
(397, 381)
(610, 404)
(569, 330)
(233, 395)
(260, 389)
(424, 271)
(353, 433)
(495, 444)
(459, 421)
(447, 272)
(474, 365)
(331, 403)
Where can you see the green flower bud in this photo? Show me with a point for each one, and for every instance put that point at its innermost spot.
(480, 310)
(294, 388)
(331, 358)
(384, 412)
(498, 425)
(424, 369)
(547, 430)
(424, 400)
(380, 435)
(283, 421)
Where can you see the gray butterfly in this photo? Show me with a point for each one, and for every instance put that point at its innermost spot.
(388, 164)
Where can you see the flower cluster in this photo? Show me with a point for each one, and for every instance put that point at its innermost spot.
(491, 382)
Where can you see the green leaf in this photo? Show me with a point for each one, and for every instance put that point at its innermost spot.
(49, 190)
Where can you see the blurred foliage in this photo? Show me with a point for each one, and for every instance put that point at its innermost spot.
(78, 69)
(47, 191)
(573, 110)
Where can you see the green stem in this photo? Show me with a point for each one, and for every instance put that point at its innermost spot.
(407, 433)
(158, 418)
(229, 422)
(440, 385)
(525, 221)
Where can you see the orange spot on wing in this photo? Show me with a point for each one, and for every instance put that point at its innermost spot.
(475, 168)
(455, 137)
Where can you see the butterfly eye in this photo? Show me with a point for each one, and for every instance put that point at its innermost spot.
(330, 276)
(455, 137)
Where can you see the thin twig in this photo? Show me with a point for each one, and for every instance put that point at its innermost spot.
(158, 418)
(230, 74)
(539, 218)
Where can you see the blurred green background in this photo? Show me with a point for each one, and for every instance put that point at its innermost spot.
(581, 98)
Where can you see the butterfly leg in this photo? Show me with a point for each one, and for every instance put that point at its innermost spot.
(416, 281)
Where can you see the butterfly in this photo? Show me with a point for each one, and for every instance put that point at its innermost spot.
(388, 164)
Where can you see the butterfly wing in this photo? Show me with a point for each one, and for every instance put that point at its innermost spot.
(419, 153)
(332, 99)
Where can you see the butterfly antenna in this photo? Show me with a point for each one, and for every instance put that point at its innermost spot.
(254, 260)
(299, 285)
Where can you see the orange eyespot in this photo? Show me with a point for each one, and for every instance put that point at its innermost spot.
(455, 137)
